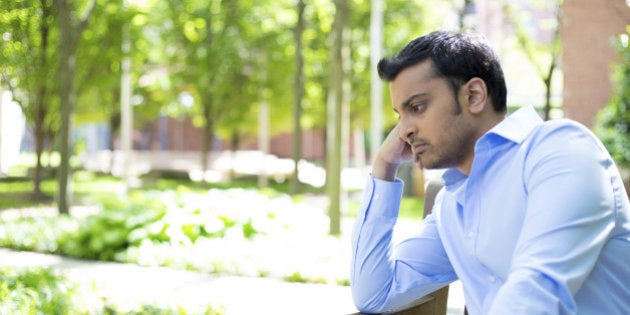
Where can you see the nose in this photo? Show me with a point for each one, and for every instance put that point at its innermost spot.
(406, 131)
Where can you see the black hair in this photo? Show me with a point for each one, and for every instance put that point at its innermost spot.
(458, 57)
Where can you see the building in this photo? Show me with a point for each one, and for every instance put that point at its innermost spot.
(588, 28)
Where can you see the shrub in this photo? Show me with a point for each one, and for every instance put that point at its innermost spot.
(613, 122)
(37, 291)
(103, 235)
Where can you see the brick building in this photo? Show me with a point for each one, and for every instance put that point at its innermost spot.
(588, 27)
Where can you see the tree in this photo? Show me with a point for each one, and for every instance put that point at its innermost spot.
(210, 53)
(543, 54)
(339, 64)
(99, 57)
(613, 121)
(298, 94)
(70, 30)
(27, 70)
(376, 85)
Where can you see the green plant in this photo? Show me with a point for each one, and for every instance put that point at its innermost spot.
(44, 291)
(105, 234)
(37, 291)
(410, 208)
(613, 122)
(156, 310)
(40, 234)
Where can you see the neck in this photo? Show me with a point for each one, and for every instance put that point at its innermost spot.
(488, 122)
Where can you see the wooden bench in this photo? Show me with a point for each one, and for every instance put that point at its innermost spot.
(433, 303)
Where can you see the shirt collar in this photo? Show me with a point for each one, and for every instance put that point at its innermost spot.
(514, 128)
(518, 125)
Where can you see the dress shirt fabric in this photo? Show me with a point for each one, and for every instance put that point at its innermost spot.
(541, 225)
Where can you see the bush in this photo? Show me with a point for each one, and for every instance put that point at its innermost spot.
(103, 235)
(176, 219)
(613, 122)
(37, 291)
(43, 291)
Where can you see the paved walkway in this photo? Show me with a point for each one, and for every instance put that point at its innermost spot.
(128, 284)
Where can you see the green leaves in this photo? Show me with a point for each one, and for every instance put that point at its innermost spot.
(37, 291)
(613, 121)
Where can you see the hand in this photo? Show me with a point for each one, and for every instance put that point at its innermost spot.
(393, 152)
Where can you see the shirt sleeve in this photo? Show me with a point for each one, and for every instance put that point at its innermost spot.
(386, 277)
(569, 217)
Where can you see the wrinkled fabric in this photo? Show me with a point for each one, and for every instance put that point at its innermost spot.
(541, 225)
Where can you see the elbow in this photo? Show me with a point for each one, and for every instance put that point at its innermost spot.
(366, 301)
(365, 307)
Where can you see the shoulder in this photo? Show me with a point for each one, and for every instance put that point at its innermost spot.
(563, 134)
(564, 147)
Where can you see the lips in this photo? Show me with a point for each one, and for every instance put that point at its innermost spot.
(418, 148)
(417, 151)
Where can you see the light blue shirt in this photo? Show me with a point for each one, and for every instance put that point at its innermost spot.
(540, 226)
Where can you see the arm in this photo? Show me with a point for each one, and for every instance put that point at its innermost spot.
(384, 277)
(569, 218)
(393, 152)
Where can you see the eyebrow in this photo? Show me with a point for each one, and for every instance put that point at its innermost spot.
(408, 101)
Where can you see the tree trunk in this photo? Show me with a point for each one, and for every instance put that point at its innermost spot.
(114, 126)
(39, 140)
(298, 93)
(207, 142)
(69, 35)
(334, 114)
(547, 80)
(376, 85)
(41, 98)
(263, 141)
(66, 99)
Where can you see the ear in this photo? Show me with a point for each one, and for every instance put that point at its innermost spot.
(476, 94)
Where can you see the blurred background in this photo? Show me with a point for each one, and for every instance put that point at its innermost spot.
(234, 137)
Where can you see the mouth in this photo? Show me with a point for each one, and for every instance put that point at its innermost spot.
(418, 150)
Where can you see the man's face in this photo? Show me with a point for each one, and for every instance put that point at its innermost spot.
(432, 121)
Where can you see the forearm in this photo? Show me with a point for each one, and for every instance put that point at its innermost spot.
(383, 170)
(371, 269)
(383, 276)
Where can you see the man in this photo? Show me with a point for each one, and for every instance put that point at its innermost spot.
(533, 218)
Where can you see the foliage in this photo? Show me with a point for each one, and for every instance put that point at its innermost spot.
(37, 291)
(27, 55)
(613, 121)
(101, 236)
(27, 68)
(155, 310)
(45, 291)
(223, 231)
(529, 21)
(36, 233)
(410, 208)
(299, 278)
(159, 217)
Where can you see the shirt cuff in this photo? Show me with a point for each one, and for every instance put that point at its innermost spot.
(382, 198)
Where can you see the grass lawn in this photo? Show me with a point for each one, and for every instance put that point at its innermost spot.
(89, 188)
(410, 208)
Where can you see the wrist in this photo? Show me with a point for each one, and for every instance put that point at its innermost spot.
(384, 170)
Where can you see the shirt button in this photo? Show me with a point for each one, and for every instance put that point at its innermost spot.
(471, 234)
(492, 279)
(377, 196)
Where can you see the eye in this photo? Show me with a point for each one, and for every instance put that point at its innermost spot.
(416, 108)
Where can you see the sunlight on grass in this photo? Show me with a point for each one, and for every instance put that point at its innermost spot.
(410, 208)
(233, 228)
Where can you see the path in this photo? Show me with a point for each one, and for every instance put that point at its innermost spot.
(128, 284)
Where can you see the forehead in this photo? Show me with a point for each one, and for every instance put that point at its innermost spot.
(414, 80)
